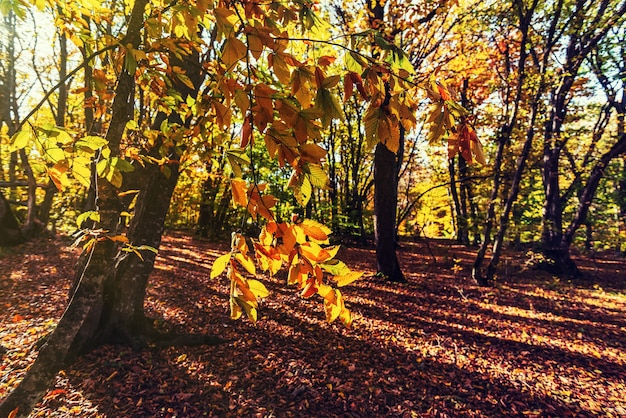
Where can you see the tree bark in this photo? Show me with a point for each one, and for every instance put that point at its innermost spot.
(385, 204)
(385, 181)
(525, 16)
(590, 33)
(10, 231)
(76, 326)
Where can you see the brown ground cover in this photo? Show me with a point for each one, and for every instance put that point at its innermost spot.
(436, 346)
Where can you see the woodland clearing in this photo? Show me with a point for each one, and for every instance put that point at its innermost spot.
(438, 345)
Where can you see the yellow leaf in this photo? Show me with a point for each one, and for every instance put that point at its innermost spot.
(246, 262)
(333, 309)
(248, 308)
(389, 134)
(312, 152)
(372, 124)
(311, 251)
(345, 317)
(303, 190)
(226, 20)
(219, 265)
(317, 176)
(235, 309)
(348, 278)
(258, 288)
(281, 69)
(477, 150)
(326, 291)
(21, 139)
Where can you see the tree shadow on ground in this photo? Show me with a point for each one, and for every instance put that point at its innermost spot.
(436, 346)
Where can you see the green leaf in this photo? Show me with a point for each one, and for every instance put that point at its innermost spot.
(327, 103)
(237, 158)
(122, 165)
(354, 62)
(92, 215)
(317, 176)
(382, 43)
(91, 142)
(219, 265)
(335, 267)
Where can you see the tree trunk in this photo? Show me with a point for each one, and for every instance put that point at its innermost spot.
(568, 267)
(46, 205)
(525, 17)
(462, 235)
(385, 203)
(385, 180)
(79, 321)
(10, 232)
(491, 215)
(510, 200)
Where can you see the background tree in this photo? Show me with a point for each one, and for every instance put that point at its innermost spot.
(590, 23)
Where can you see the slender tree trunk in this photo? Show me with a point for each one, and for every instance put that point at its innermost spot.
(30, 227)
(525, 16)
(510, 200)
(491, 214)
(462, 235)
(588, 193)
(50, 191)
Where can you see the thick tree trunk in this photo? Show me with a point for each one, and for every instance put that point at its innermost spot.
(75, 327)
(385, 205)
(10, 231)
(552, 211)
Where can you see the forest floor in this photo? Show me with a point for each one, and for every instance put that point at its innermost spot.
(437, 346)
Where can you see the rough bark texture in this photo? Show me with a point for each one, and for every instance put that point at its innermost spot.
(86, 303)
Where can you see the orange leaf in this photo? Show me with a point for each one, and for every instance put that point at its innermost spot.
(326, 60)
(315, 230)
(246, 132)
(240, 192)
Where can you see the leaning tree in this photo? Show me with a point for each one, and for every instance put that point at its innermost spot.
(183, 73)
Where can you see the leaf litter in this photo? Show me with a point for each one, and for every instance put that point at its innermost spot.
(438, 346)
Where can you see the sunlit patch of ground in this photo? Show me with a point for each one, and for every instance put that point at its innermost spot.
(436, 346)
